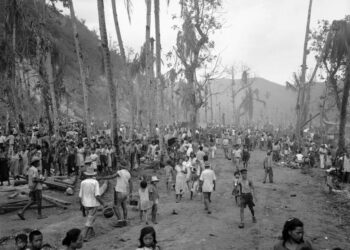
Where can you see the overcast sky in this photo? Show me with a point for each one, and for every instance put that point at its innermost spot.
(266, 35)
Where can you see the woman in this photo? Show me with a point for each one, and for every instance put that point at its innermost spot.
(73, 240)
(180, 180)
(292, 236)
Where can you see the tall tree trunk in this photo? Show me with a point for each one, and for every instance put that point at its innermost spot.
(344, 106)
(211, 104)
(108, 73)
(149, 68)
(233, 94)
(117, 29)
(303, 88)
(82, 71)
(14, 87)
(50, 78)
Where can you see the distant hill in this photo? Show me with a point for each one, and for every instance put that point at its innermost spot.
(280, 102)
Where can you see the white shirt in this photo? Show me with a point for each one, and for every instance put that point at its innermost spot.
(2, 139)
(208, 177)
(299, 157)
(89, 189)
(122, 181)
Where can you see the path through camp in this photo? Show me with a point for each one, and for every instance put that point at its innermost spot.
(292, 195)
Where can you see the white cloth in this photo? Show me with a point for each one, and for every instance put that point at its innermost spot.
(2, 139)
(299, 157)
(208, 177)
(122, 181)
(346, 164)
(89, 189)
(80, 157)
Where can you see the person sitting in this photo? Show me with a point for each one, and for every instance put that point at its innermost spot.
(293, 236)
(73, 239)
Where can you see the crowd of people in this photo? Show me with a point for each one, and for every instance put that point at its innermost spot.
(186, 161)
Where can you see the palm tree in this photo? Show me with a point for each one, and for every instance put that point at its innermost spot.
(149, 65)
(108, 72)
(83, 75)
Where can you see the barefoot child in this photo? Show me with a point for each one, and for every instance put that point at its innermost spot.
(148, 239)
(144, 202)
(154, 198)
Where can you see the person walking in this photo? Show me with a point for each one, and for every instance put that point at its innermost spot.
(121, 191)
(35, 181)
(247, 194)
(268, 162)
(207, 185)
(90, 199)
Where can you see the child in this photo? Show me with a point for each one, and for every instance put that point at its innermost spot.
(235, 190)
(148, 239)
(21, 241)
(245, 156)
(144, 200)
(154, 198)
(168, 175)
(196, 172)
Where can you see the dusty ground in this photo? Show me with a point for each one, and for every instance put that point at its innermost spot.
(326, 217)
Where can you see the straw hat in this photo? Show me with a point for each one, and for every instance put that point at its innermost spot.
(88, 160)
(34, 159)
(90, 172)
(154, 179)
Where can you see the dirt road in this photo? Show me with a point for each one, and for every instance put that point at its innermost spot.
(326, 219)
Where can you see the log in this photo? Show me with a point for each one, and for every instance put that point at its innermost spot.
(56, 185)
(20, 182)
(47, 197)
(53, 199)
(64, 183)
(4, 210)
(12, 196)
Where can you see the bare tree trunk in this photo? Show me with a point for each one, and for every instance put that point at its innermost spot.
(233, 94)
(211, 104)
(82, 71)
(117, 29)
(14, 86)
(303, 88)
(108, 72)
(344, 106)
(49, 71)
(149, 64)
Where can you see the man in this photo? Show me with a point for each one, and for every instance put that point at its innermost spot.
(207, 185)
(247, 193)
(225, 145)
(121, 191)
(236, 156)
(35, 186)
(200, 154)
(268, 167)
(35, 240)
(90, 199)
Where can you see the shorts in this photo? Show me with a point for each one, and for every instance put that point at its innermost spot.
(247, 199)
(35, 195)
(91, 213)
(119, 198)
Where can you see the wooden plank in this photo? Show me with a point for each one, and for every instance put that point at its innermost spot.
(55, 203)
(50, 198)
(12, 196)
(47, 197)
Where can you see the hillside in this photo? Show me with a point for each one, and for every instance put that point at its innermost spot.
(280, 102)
